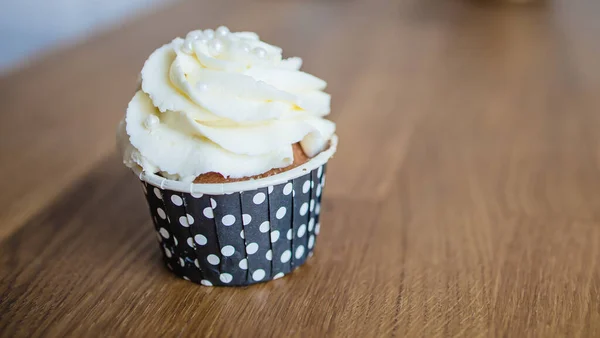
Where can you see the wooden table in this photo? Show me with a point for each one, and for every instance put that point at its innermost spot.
(464, 199)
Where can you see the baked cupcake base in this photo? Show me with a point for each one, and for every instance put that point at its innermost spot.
(299, 159)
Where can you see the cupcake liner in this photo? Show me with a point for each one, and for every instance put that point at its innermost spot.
(238, 238)
(238, 233)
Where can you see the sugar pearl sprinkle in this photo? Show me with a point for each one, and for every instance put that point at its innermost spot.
(151, 122)
(219, 43)
(261, 53)
(222, 31)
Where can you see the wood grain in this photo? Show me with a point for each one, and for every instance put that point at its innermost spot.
(464, 199)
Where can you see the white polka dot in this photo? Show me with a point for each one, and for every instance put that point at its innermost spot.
(213, 203)
(181, 261)
(318, 190)
(312, 205)
(306, 187)
(196, 263)
(269, 255)
(246, 219)
(144, 189)
(190, 219)
(213, 259)
(161, 213)
(164, 232)
(311, 241)
(200, 239)
(312, 184)
(274, 236)
(259, 198)
(280, 213)
(258, 274)
(301, 230)
(318, 208)
(169, 266)
(264, 226)
(243, 234)
(167, 252)
(243, 264)
(289, 234)
(311, 224)
(208, 213)
(228, 220)
(287, 189)
(227, 250)
(205, 282)
(270, 189)
(294, 193)
(310, 254)
(158, 193)
(196, 195)
(303, 209)
(279, 275)
(185, 277)
(159, 237)
(319, 171)
(226, 278)
(251, 248)
(323, 180)
(317, 228)
(299, 251)
(184, 221)
(190, 242)
(285, 256)
(176, 200)
(175, 240)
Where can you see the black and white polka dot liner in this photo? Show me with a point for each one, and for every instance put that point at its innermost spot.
(238, 238)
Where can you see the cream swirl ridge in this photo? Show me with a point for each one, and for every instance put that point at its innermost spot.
(223, 102)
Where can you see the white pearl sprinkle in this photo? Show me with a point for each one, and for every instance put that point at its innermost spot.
(245, 47)
(216, 46)
(151, 122)
(194, 35)
(209, 33)
(188, 46)
(201, 86)
(222, 31)
(260, 52)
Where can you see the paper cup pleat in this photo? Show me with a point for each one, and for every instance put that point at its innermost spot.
(300, 215)
(203, 237)
(280, 205)
(257, 229)
(315, 207)
(179, 223)
(154, 197)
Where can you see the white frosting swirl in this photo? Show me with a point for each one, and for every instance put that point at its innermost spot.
(223, 102)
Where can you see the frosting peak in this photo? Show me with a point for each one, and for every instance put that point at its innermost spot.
(223, 102)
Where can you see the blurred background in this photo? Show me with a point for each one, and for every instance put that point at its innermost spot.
(29, 28)
(463, 200)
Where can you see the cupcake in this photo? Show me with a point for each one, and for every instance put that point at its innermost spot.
(230, 143)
